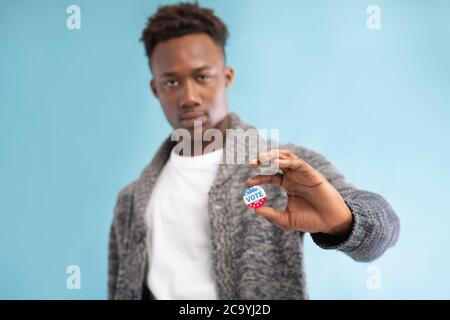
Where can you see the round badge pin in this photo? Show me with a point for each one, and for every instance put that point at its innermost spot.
(254, 197)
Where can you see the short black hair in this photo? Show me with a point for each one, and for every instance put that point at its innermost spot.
(171, 21)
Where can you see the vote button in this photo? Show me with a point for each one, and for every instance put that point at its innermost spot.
(254, 197)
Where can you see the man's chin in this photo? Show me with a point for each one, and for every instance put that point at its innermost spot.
(191, 123)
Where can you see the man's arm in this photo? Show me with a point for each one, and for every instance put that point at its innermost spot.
(375, 226)
(320, 201)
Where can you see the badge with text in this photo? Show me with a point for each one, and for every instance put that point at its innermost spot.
(254, 197)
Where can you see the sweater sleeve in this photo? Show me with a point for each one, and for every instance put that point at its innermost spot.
(121, 213)
(375, 225)
(113, 263)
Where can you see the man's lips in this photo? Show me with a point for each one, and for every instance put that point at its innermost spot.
(198, 116)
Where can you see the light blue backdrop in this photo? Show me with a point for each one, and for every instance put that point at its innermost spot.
(77, 123)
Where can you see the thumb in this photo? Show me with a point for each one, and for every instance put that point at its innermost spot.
(275, 216)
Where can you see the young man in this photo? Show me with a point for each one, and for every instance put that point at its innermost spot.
(182, 231)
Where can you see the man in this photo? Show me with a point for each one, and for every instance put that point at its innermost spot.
(182, 231)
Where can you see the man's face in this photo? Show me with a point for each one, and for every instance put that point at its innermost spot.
(190, 81)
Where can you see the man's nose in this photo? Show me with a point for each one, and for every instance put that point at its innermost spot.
(189, 96)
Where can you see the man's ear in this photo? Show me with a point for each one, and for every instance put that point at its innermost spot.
(153, 88)
(229, 76)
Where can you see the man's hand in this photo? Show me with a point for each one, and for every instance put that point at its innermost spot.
(313, 204)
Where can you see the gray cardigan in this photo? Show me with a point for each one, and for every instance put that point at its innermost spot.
(251, 257)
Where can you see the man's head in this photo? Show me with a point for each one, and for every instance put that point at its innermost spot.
(185, 45)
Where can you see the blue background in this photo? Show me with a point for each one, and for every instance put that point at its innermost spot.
(78, 122)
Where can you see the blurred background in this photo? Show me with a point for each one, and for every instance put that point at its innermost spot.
(78, 123)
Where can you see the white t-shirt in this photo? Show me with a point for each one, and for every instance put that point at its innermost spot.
(179, 239)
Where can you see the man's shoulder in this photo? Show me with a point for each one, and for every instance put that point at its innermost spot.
(125, 198)
(127, 190)
(304, 153)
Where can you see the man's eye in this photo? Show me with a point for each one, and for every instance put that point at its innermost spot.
(171, 83)
(204, 77)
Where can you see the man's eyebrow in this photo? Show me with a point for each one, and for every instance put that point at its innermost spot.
(204, 67)
(168, 74)
(173, 74)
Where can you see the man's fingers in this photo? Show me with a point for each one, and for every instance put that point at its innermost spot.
(275, 216)
(295, 164)
(271, 156)
(311, 176)
(273, 179)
